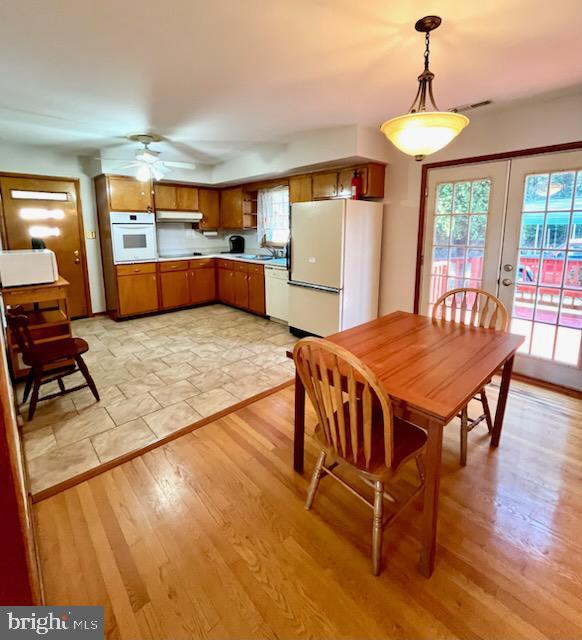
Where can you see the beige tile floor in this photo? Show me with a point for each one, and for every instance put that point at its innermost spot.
(155, 375)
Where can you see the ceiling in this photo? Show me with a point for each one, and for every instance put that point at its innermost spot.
(225, 77)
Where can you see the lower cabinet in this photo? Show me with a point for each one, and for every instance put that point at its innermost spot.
(202, 285)
(144, 288)
(257, 291)
(137, 289)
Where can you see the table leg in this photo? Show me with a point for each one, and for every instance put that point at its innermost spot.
(431, 498)
(299, 433)
(502, 401)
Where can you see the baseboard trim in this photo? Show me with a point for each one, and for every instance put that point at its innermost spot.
(536, 382)
(86, 475)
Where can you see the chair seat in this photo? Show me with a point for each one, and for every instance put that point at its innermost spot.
(408, 440)
(63, 349)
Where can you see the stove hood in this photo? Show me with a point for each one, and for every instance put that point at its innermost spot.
(179, 216)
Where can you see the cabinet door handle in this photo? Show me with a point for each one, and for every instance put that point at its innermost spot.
(136, 270)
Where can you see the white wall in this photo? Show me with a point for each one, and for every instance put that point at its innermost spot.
(21, 159)
(532, 123)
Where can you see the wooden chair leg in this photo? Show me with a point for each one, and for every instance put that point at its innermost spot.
(486, 410)
(464, 435)
(34, 396)
(85, 371)
(315, 478)
(28, 386)
(377, 527)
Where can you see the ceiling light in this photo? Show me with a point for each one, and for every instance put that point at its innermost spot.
(420, 132)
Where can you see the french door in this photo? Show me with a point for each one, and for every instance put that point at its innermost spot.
(541, 265)
(514, 228)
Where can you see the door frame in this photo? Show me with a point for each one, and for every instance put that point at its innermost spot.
(80, 224)
(506, 155)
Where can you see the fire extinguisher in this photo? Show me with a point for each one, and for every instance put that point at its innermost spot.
(356, 185)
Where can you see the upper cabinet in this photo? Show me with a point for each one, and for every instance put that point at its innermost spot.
(128, 194)
(324, 185)
(209, 205)
(175, 197)
(300, 188)
(338, 184)
(231, 208)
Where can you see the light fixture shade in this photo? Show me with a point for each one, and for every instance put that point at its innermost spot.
(422, 133)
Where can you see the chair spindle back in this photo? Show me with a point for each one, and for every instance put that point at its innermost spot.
(471, 307)
(343, 391)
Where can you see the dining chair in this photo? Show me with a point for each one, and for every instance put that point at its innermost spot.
(48, 361)
(357, 429)
(477, 308)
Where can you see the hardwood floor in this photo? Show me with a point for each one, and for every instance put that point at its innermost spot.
(207, 537)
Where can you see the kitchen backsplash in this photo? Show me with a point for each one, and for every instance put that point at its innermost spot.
(178, 237)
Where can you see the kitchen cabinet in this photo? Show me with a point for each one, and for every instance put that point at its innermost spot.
(256, 282)
(241, 289)
(344, 182)
(209, 204)
(137, 289)
(300, 189)
(202, 281)
(174, 197)
(174, 284)
(225, 284)
(324, 185)
(165, 197)
(128, 194)
(231, 208)
(187, 198)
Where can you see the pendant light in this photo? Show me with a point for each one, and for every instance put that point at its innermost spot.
(420, 132)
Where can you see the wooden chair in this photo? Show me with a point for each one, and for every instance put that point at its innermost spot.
(476, 308)
(48, 361)
(356, 428)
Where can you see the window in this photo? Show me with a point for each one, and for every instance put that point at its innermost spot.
(273, 217)
(460, 230)
(19, 194)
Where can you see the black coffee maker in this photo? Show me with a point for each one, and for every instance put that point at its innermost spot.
(237, 244)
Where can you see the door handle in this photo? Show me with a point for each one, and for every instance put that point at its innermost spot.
(77, 259)
(507, 282)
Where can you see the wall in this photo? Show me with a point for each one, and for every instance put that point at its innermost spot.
(525, 124)
(176, 237)
(20, 159)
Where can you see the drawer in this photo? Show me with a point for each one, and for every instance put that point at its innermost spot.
(174, 265)
(226, 264)
(132, 269)
(255, 268)
(241, 266)
(202, 263)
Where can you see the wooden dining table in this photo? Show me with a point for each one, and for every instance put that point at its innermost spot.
(430, 369)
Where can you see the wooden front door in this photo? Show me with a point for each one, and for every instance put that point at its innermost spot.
(47, 208)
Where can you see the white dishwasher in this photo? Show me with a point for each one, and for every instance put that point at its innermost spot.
(276, 292)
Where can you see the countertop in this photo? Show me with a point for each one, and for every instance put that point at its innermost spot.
(278, 263)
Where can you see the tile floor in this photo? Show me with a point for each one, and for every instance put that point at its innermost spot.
(155, 375)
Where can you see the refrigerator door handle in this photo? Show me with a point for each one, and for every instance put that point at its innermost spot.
(318, 287)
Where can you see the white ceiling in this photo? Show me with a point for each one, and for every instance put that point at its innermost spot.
(226, 77)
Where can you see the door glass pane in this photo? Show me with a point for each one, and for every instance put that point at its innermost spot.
(547, 304)
(19, 194)
(561, 190)
(460, 231)
(536, 192)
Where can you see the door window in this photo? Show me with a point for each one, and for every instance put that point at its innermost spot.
(547, 303)
(460, 231)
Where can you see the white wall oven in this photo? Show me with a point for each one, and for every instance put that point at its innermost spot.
(133, 236)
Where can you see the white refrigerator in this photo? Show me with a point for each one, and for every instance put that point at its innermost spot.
(334, 265)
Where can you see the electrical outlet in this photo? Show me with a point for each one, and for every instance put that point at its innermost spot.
(91, 235)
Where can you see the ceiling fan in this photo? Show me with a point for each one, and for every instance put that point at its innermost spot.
(147, 161)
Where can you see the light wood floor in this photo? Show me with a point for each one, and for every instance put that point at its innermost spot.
(207, 537)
